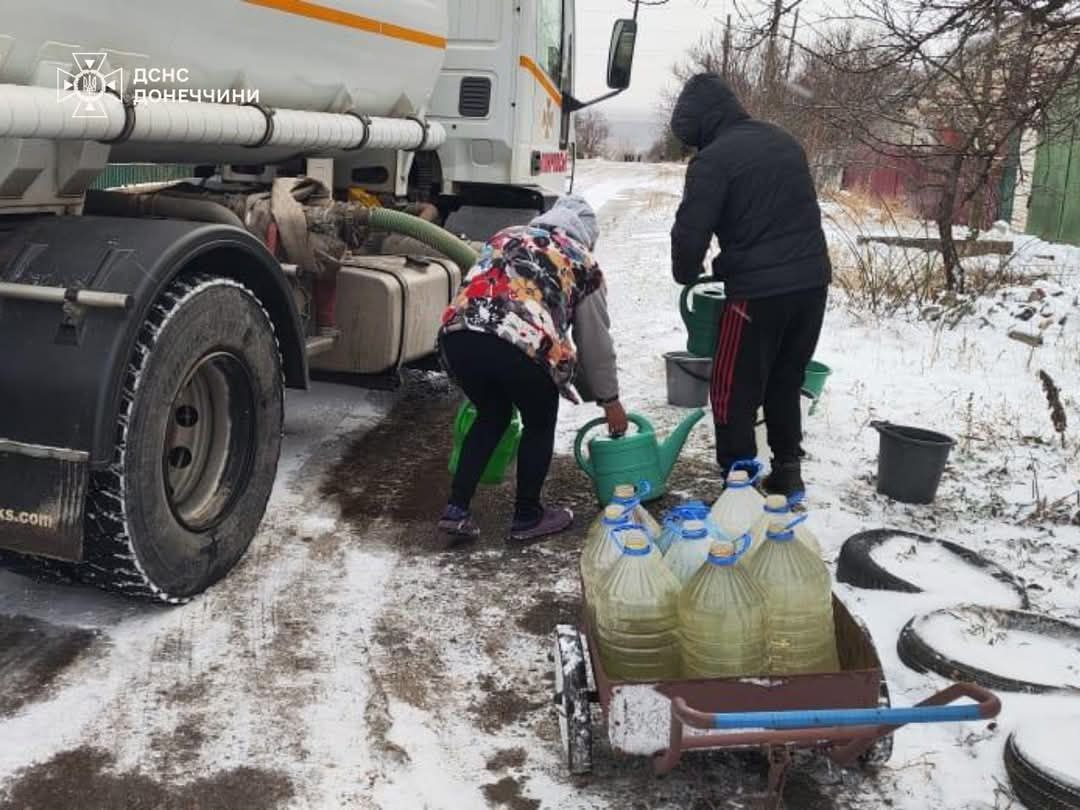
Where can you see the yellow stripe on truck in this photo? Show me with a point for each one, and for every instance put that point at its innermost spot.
(543, 79)
(314, 11)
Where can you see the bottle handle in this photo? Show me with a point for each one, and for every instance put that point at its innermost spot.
(797, 521)
(752, 466)
(627, 527)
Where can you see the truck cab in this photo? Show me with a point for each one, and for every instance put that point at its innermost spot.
(506, 98)
(500, 94)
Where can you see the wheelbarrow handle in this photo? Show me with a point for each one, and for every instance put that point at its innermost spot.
(839, 718)
(856, 728)
(986, 706)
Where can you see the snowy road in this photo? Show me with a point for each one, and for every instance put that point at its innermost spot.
(351, 661)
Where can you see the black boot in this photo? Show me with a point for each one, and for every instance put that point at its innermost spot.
(785, 479)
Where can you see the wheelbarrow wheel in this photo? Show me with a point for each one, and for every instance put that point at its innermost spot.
(879, 754)
(572, 700)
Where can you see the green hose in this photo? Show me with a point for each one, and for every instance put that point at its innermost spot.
(423, 231)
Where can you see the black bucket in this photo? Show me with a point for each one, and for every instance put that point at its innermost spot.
(910, 462)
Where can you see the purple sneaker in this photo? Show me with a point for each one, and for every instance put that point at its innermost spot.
(457, 522)
(552, 521)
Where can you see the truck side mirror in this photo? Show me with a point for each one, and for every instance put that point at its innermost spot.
(621, 55)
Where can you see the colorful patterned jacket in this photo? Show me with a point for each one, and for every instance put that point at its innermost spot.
(530, 287)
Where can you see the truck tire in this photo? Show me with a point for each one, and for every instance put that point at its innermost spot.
(198, 437)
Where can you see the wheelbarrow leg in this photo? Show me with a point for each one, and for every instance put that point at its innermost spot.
(779, 764)
(665, 761)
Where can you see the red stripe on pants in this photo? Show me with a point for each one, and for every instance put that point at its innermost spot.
(718, 361)
(727, 352)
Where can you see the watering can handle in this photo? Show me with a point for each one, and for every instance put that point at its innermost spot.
(643, 425)
(684, 299)
(584, 461)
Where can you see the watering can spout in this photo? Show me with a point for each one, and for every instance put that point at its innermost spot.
(670, 449)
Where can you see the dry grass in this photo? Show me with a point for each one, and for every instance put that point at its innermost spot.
(886, 282)
(863, 205)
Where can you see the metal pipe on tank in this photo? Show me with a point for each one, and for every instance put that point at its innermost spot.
(35, 112)
(120, 204)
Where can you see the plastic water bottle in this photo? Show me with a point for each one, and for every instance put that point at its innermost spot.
(602, 548)
(628, 497)
(777, 507)
(689, 550)
(722, 613)
(637, 615)
(800, 635)
(674, 519)
(738, 507)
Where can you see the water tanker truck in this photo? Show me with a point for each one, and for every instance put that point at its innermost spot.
(337, 161)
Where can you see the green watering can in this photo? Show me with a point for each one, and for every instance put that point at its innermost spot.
(504, 454)
(633, 458)
(701, 313)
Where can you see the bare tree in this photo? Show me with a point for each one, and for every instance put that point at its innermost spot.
(941, 86)
(957, 82)
(592, 130)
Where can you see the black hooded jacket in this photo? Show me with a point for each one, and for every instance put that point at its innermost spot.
(750, 186)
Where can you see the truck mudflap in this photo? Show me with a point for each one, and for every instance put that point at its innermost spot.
(42, 494)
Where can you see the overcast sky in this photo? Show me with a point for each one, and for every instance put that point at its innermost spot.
(664, 34)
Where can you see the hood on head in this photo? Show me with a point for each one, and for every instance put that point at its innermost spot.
(573, 215)
(706, 105)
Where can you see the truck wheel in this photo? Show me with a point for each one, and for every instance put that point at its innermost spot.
(198, 437)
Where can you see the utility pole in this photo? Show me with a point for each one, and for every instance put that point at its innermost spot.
(791, 46)
(727, 48)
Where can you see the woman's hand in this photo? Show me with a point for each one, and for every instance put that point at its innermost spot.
(616, 419)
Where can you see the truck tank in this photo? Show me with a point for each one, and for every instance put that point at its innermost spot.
(374, 57)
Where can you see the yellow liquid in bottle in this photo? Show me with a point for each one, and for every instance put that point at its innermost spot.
(637, 615)
(722, 619)
(800, 635)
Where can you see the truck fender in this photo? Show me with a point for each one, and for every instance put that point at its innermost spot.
(62, 366)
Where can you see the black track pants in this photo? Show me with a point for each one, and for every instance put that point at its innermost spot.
(764, 348)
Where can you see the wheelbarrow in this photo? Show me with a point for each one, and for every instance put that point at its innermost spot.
(846, 715)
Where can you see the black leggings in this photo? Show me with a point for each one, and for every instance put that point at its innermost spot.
(496, 377)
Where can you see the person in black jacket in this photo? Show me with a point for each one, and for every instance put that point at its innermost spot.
(749, 185)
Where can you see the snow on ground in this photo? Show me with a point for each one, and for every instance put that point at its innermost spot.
(971, 382)
(351, 661)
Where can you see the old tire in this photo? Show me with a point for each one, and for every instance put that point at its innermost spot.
(917, 654)
(856, 566)
(198, 438)
(1037, 788)
(572, 702)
